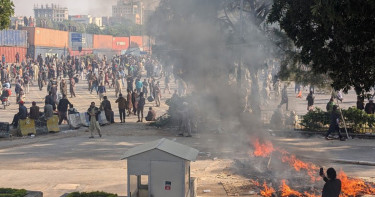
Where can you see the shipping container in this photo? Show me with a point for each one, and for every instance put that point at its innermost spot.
(120, 43)
(10, 53)
(34, 51)
(82, 53)
(13, 38)
(47, 37)
(136, 42)
(102, 42)
(101, 52)
(77, 40)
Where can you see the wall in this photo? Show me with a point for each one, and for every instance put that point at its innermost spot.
(102, 42)
(13, 38)
(47, 37)
(10, 53)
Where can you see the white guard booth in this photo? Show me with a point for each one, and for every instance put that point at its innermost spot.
(160, 169)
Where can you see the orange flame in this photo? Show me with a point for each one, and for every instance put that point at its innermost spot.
(262, 150)
(267, 191)
(354, 187)
(286, 191)
(298, 165)
(310, 195)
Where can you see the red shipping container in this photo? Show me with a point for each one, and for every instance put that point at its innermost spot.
(102, 41)
(120, 43)
(10, 53)
(136, 42)
(47, 37)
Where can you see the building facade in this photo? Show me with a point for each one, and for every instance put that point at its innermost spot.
(86, 19)
(53, 12)
(132, 10)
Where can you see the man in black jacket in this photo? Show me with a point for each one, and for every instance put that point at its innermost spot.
(140, 107)
(63, 109)
(332, 187)
(21, 115)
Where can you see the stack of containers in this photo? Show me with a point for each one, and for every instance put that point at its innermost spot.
(83, 40)
(102, 45)
(136, 42)
(120, 44)
(47, 42)
(11, 43)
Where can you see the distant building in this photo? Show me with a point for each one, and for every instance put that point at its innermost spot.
(86, 19)
(132, 10)
(18, 22)
(53, 12)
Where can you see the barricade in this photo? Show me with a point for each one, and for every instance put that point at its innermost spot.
(84, 119)
(74, 121)
(5, 129)
(53, 124)
(27, 126)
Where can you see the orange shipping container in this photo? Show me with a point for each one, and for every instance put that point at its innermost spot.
(102, 42)
(136, 41)
(10, 53)
(120, 43)
(47, 37)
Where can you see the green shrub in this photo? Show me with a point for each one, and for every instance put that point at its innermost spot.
(8, 192)
(91, 194)
(315, 119)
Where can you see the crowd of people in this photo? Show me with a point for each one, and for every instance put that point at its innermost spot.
(59, 74)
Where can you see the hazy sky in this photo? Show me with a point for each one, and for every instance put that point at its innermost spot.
(92, 7)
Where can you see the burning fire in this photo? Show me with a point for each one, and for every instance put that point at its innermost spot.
(262, 150)
(353, 187)
(349, 186)
(267, 191)
(311, 169)
(286, 191)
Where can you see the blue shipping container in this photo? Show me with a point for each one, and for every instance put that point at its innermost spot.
(13, 38)
(34, 51)
(80, 40)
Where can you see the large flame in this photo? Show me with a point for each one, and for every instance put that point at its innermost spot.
(267, 191)
(262, 149)
(286, 191)
(354, 187)
(298, 165)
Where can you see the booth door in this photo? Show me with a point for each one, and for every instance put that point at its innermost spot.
(166, 179)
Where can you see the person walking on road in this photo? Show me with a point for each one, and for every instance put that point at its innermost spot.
(121, 107)
(93, 118)
(63, 109)
(72, 88)
(334, 124)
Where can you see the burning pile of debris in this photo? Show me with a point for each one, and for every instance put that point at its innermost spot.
(285, 175)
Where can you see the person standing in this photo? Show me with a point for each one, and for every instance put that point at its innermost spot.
(121, 107)
(107, 108)
(101, 91)
(140, 107)
(145, 85)
(284, 98)
(157, 93)
(370, 107)
(63, 109)
(93, 118)
(166, 81)
(332, 186)
(129, 102)
(310, 101)
(118, 87)
(135, 100)
(139, 85)
(72, 88)
(63, 88)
